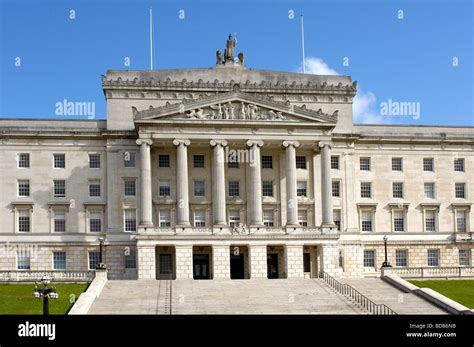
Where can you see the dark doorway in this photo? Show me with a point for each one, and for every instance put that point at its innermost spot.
(307, 262)
(272, 265)
(237, 266)
(201, 267)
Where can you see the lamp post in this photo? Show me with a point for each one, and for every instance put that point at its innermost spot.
(385, 263)
(101, 264)
(45, 293)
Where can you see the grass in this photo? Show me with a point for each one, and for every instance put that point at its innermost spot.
(17, 298)
(461, 291)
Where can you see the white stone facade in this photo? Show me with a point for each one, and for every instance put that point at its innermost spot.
(171, 205)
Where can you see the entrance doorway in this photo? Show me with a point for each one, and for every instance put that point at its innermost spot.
(165, 262)
(272, 265)
(239, 262)
(202, 263)
(310, 261)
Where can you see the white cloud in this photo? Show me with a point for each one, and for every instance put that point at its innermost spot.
(317, 66)
(364, 106)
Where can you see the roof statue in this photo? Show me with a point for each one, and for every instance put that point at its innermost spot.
(229, 54)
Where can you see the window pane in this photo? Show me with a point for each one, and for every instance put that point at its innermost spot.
(460, 190)
(131, 260)
(59, 260)
(130, 220)
(59, 161)
(165, 218)
(433, 257)
(23, 160)
(199, 188)
(429, 190)
(94, 161)
(428, 164)
(163, 160)
(337, 218)
(267, 162)
(129, 159)
(365, 164)
(365, 190)
(23, 188)
(335, 162)
(94, 259)
(459, 164)
(199, 218)
(165, 189)
(130, 188)
(59, 188)
(401, 257)
(268, 218)
(336, 192)
(234, 188)
(369, 258)
(234, 218)
(23, 220)
(198, 161)
(397, 164)
(267, 189)
(94, 189)
(95, 221)
(397, 189)
(464, 257)
(430, 220)
(300, 162)
(303, 218)
(301, 188)
(23, 260)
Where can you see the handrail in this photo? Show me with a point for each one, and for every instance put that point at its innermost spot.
(171, 292)
(56, 275)
(432, 271)
(356, 296)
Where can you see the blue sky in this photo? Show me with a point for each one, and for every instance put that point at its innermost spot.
(404, 60)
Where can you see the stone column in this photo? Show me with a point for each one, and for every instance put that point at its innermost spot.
(291, 196)
(254, 194)
(218, 183)
(146, 216)
(258, 261)
(294, 256)
(326, 185)
(221, 261)
(182, 186)
(184, 261)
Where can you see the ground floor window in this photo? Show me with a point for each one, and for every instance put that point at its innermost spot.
(94, 259)
(369, 258)
(464, 257)
(23, 260)
(59, 260)
(131, 260)
(433, 257)
(401, 258)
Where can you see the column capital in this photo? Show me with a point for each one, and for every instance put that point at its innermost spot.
(223, 143)
(184, 142)
(251, 143)
(295, 144)
(322, 144)
(141, 141)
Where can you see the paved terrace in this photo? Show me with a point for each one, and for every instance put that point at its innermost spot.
(256, 296)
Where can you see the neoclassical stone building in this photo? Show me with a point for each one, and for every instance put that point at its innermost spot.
(230, 172)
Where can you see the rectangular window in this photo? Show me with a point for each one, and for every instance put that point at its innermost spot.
(335, 162)
(268, 218)
(198, 161)
(130, 187)
(94, 161)
(460, 190)
(130, 220)
(234, 188)
(267, 188)
(165, 218)
(59, 221)
(165, 189)
(336, 189)
(461, 218)
(95, 221)
(397, 190)
(369, 258)
(59, 260)
(24, 160)
(94, 189)
(303, 218)
(233, 161)
(398, 221)
(428, 164)
(59, 161)
(23, 260)
(199, 188)
(397, 164)
(59, 188)
(365, 189)
(301, 188)
(24, 224)
(267, 162)
(364, 164)
(131, 260)
(401, 258)
(430, 190)
(464, 257)
(23, 188)
(94, 259)
(433, 257)
(166, 267)
(430, 220)
(459, 164)
(366, 220)
(234, 218)
(129, 159)
(301, 162)
(163, 160)
(199, 218)
(337, 218)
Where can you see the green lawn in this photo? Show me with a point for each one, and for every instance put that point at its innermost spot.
(17, 298)
(461, 291)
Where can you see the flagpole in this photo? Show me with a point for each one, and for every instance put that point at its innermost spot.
(151, 39)
(302, 43)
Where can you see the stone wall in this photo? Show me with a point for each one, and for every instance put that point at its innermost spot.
(258, 261)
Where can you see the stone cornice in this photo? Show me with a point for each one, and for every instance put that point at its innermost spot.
(223, 86)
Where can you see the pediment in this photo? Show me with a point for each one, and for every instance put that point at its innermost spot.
(234, 106)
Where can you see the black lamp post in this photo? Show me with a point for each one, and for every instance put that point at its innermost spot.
(385, 263)
(101, 264)
(45, 293)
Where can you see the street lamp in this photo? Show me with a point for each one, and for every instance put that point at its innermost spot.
(45, 293)
(385, 263)
(101, 264)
